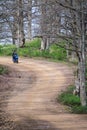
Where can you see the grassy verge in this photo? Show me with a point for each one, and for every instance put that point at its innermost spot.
(72, 101)
(32, 50)
(6, 50)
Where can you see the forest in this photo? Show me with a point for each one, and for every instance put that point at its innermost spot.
(46, 87)
(54, 22)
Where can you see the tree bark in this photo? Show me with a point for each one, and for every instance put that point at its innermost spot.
(29, 11)
(21, 25)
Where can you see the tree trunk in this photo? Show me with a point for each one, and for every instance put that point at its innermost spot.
(82, 82)
(82, 59)
(21, 25)
(42, 44)
(29, 11)
(47, 44)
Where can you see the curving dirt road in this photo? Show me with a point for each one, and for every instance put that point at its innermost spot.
(30, 101)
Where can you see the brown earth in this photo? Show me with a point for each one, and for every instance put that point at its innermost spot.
(28, 97)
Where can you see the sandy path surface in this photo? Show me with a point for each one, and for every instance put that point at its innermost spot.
(32, 100)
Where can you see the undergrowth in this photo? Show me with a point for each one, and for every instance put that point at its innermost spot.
(72, 101)
(32, 49)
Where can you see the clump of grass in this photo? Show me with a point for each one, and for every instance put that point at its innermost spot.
(72, 101)
(79, 109)
(3, 70)
(69, 99)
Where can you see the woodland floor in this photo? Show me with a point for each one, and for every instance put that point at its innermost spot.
(28, 96)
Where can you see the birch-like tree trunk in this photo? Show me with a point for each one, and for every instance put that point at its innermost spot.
(21, 25)
(29, 18)
(83, 58)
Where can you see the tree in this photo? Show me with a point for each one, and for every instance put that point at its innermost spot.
(69, 24)
(77, 28)
(29, 19)
(12, 15)
(27, 13)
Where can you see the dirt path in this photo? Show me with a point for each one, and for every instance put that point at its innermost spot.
(32, 101)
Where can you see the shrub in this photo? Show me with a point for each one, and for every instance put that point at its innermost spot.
(67, 98)
(33, 44)
(7, 50)
(57, 52)
(45, 54)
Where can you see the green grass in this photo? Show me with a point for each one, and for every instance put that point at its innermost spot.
(69, 99)
(79, 109)
(72, 101)
(57, 52)
(6, 50)
(32, 49)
